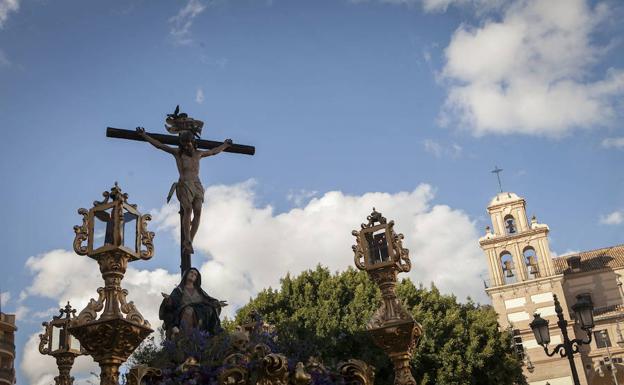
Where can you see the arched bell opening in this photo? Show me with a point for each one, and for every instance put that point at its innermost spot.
(530, 261)
(510, 225)
(508, 268)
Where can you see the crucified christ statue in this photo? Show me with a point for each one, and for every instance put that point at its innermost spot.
(188, 150)
(188, 188)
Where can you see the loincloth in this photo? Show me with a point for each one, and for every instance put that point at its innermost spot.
(187, 192)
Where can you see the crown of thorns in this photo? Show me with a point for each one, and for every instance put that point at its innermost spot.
(178, 122)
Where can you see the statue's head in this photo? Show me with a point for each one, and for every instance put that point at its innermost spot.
(187, 142)
(192, 276)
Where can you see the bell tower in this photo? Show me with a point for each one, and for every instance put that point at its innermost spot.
(516, 249)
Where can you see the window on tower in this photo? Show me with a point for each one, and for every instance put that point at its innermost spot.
(517, 342)
(602, 339)
(510, 225)
(507, 265)
(530, 260)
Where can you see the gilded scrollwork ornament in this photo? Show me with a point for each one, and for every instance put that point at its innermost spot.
(138, 373)
(358, 251)
(90, 312)
(357, 372)
(234, 376)
(130, 310)
(301, 377)
(274, 370)
(44, 339)
(82, 233)
(147, 238)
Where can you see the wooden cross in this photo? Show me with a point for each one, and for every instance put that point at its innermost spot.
(174, 140)
(185, 256)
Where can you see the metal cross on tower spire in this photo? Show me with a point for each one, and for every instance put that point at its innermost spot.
(497, 171)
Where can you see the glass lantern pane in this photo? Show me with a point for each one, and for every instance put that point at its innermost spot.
(545, 335)
(538, 335)
(130, 230)
(378, 248)
(102, 228)
(75, 344)
(62, 339)
(586, 318)
(55, 338)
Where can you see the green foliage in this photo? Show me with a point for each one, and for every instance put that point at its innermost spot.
(147, 352)
(324, 315)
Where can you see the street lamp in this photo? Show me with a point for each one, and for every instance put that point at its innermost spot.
(58, 343)
(583, 310)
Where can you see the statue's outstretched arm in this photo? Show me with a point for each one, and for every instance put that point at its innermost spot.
(154, 142)
(216, 150)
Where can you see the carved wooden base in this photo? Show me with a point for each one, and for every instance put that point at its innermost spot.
(64, 363)
(109, 372)
(398, 339)
(110, 342)
(402, 369)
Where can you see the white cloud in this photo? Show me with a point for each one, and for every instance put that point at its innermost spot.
(45, 314)
(51, 270)
(182, 22)
(199, 96)
(41, 370)
(5, 297)
(613, 142)
(453, 150)
(614, 218)
(301, 196)
(530, 72)
(22, 312)
(6, 7)
(251, 247)
(566, 253)
(433, 147)
(4, 60)
(442, 5)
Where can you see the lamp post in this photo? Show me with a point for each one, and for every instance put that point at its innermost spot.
(529, 364)
(379, 251)
(583, 310)
(613, 369)
(620, 338)
(58, 343)
(115, 233)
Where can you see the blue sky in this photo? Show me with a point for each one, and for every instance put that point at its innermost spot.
(418, 100)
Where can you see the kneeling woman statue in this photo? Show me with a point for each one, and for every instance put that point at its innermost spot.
(189, 306)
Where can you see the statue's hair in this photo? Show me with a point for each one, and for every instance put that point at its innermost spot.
(187, 136)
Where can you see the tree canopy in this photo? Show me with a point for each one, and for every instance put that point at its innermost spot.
(324, 315)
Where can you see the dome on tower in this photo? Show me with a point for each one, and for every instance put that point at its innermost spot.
(504, 197)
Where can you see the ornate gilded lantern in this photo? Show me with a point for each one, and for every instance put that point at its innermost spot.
(379, 251)
(378, 246)
(56, 341)
(114, 225)
(111, 328)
